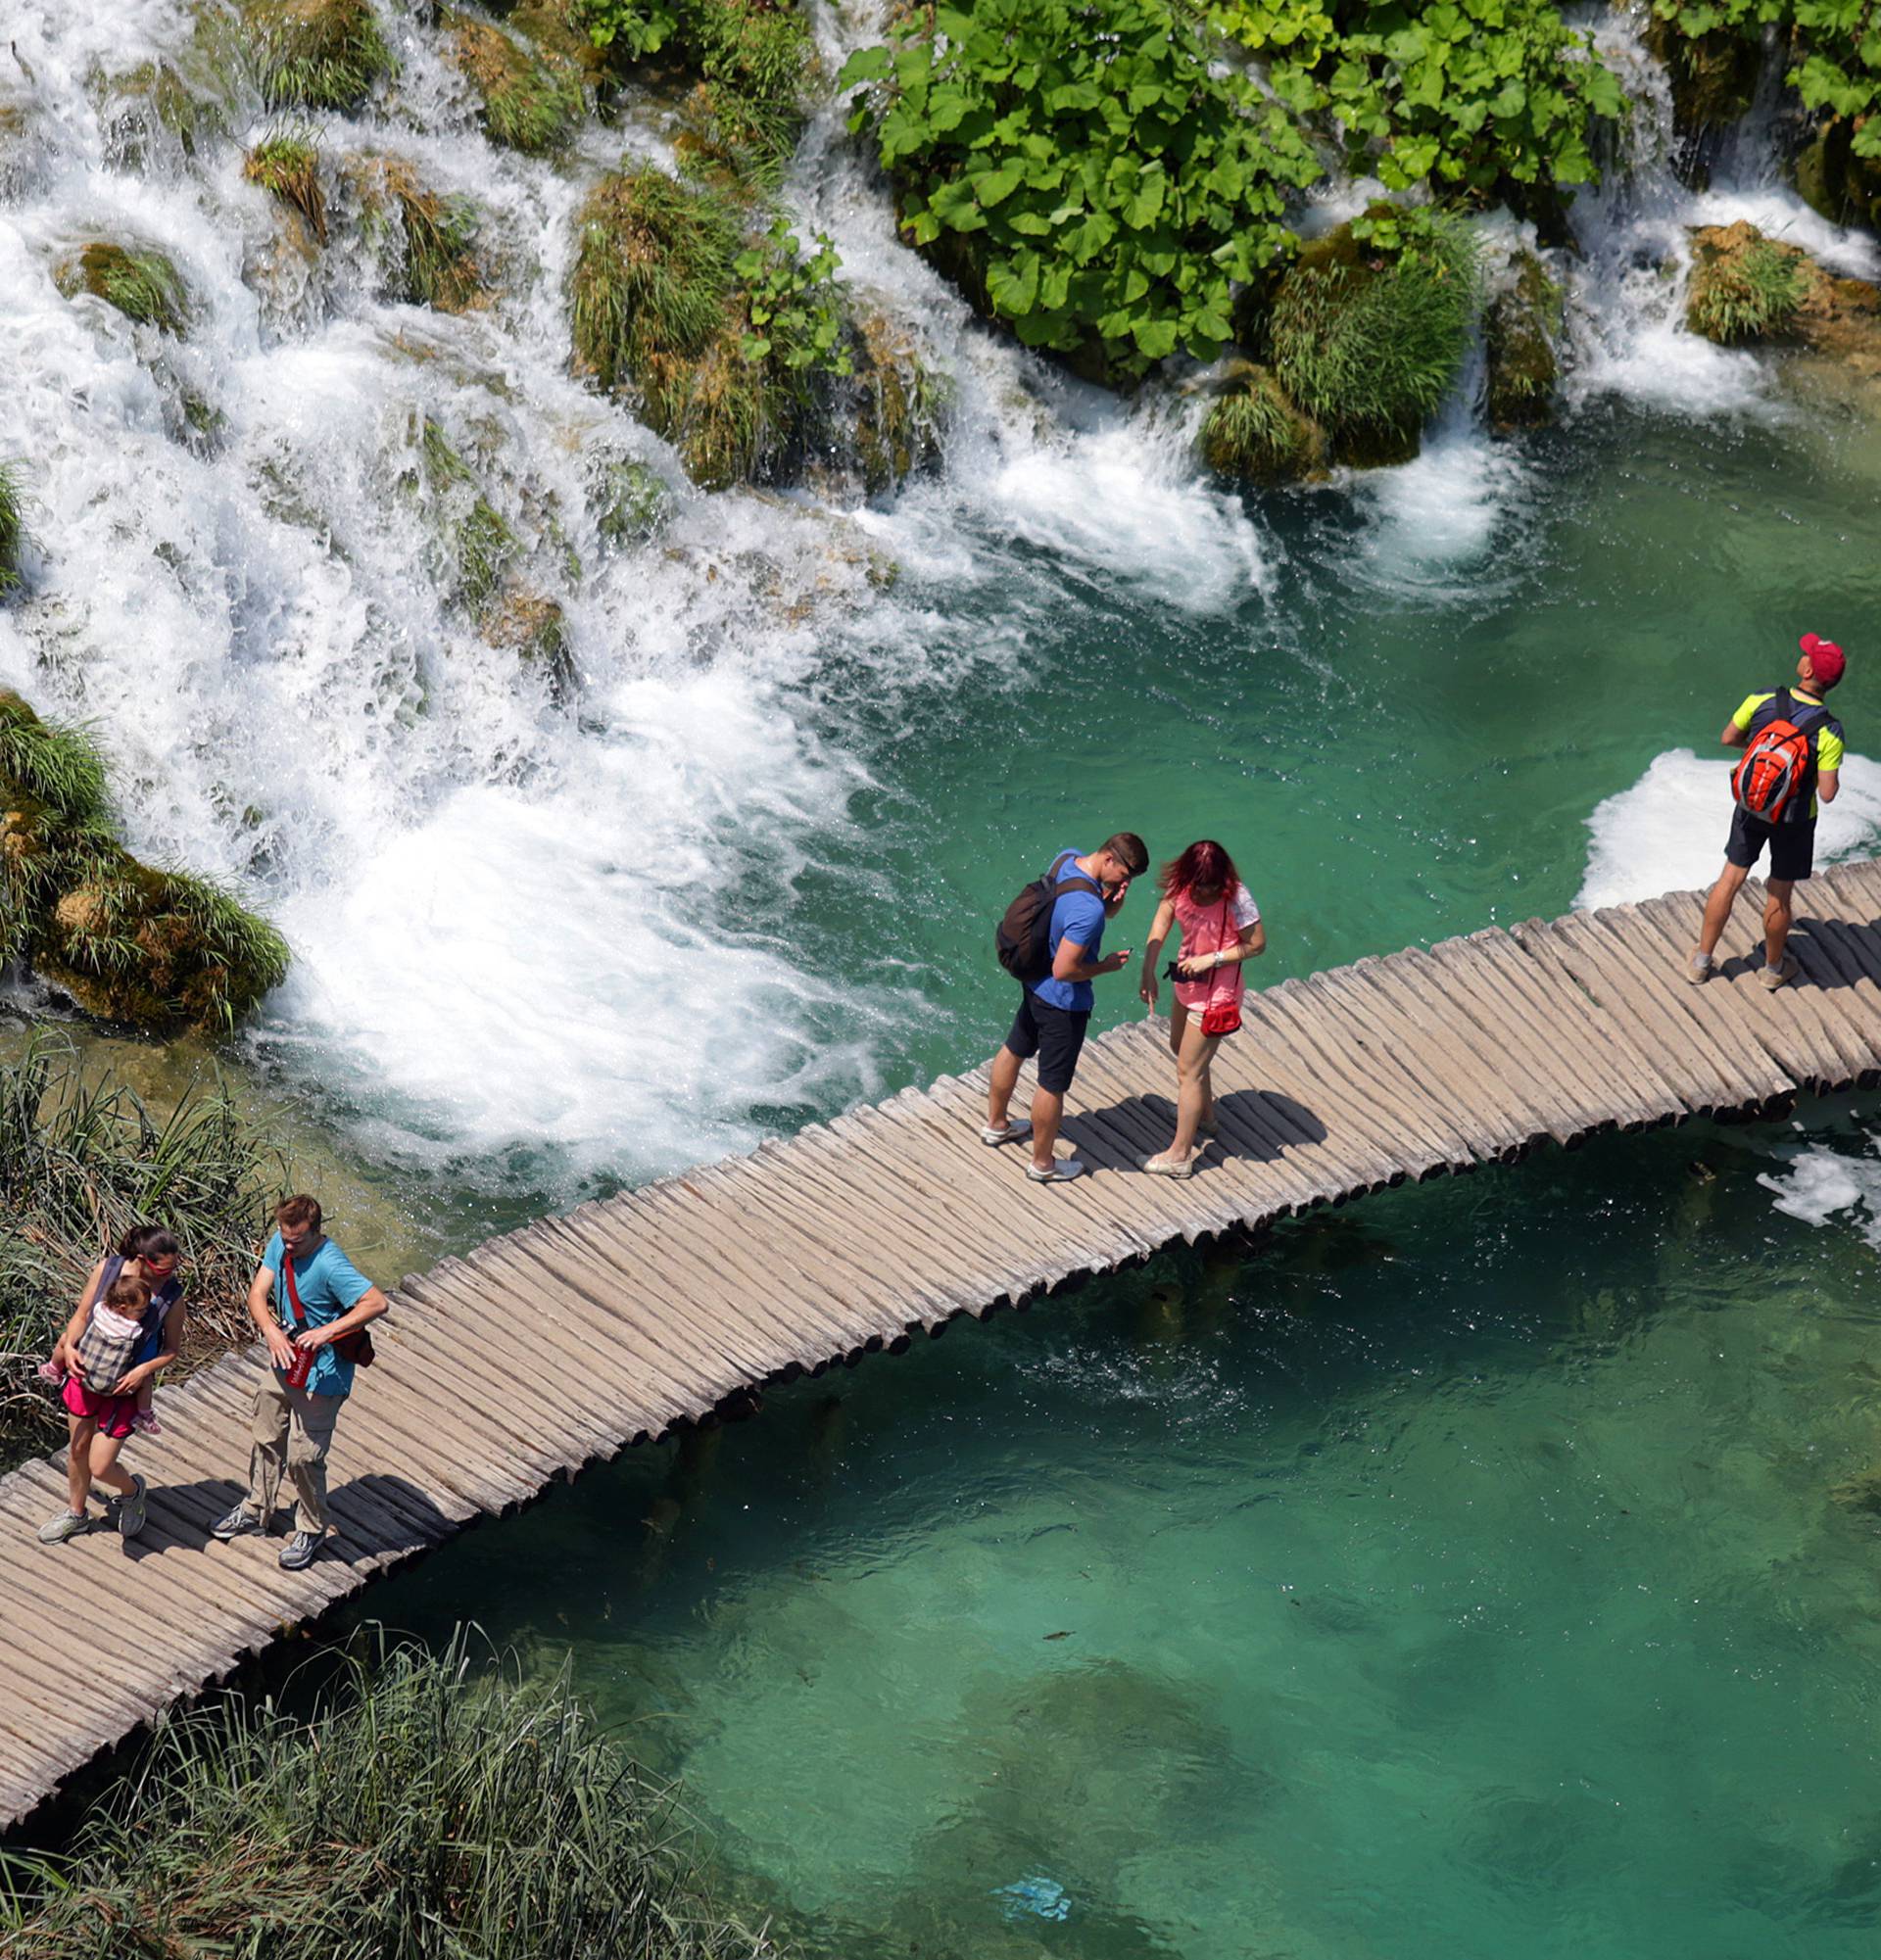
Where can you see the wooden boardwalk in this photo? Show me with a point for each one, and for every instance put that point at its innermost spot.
(543, 1350)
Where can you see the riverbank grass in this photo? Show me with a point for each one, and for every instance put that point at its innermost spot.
(141, 284)
(13, 527)
(528, 104)
(288, 166)
(422, 1809)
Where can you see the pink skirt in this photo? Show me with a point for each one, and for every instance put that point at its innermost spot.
(113, 1414)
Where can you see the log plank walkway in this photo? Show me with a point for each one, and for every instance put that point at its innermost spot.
(562, 1343)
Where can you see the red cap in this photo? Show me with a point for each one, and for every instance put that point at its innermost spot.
(1825, 657)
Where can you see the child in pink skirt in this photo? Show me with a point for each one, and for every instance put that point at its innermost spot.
(1205, 900)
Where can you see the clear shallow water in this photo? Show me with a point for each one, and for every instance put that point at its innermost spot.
(1481, 1570)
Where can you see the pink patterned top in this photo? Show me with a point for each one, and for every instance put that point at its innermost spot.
(1208, 928)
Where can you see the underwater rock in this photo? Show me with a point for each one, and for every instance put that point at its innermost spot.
(426, 241)
(139, 283)
(1519, 331)
(631, 502)
(315, 54)
(185, 103)
(159, 950)
(529, 103)
(1253, 434)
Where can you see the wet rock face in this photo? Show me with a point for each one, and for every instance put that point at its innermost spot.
(1519, 331)
(1713, 80)
(1830, 178)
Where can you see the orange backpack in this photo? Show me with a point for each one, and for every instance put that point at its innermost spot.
(1777, 767)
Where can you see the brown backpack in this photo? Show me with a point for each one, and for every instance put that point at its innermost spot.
(1023, 938)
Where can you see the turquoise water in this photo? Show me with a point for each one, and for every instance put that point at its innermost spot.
(1482, 1571)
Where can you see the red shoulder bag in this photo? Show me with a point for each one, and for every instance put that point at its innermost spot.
(1222, 1017)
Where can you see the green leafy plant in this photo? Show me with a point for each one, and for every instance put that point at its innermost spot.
(423, 1809)
(1472, 96)
(792, 301)
(1084, 170)
(634, 28)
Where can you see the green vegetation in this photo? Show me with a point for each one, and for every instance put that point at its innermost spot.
(632, 502)
(1744, 287)
(632, 28)
(420, 1811)
(529, 104)
(13, 527)
(1253, 434)
(186, 101)
(143, 286)
(1479, 98)
(1519, 345)
(1084, 171)
(1367, 343)
(431, 239)
(794, 308)
(289, 166)
(315, 54)
(158, 949)
(80, 1163)
(482, 547)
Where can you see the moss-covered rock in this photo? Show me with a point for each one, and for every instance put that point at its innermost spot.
(1366, 344)
(658, 313)
(13, 527)
(1713, 83)
(480, 548)
(534, 627)
(426, 241)
(1519, 331)
(289, 167)
(553, 27)
(631, 502)
(186, 103)
(142, 284)
(529, 102)
(315, 54)
(1253, 434)
(896, 403)
(1745, 287)
(158, 949)
(1833, 181)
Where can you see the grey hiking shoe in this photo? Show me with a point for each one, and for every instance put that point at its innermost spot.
(133, 1510)
(1778, 975)
(238, 1522)
(1700, 967)
(68, 1524)
(300, 1551)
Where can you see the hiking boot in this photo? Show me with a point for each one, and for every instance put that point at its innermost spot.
(133, 1510)
(1700, 967)
(68, 1524)
(238, 1523)
(1774, 977)
(1063, 1169)
(300, 1551)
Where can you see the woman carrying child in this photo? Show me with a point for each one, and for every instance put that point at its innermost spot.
(1205, 900)
(131, 1307)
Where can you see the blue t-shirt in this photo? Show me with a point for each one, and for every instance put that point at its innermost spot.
(329, 1284)
(1076, 916)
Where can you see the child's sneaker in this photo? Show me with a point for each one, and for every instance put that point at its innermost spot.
(145, 1423)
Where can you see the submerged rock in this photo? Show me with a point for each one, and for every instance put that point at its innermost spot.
(159, 950)
(631, 502)
(528, 103)
(1519, 331)
(1253, 434)
(426, 241)
(141, 283)
(13, 529)
(315, 54)
(185, 103)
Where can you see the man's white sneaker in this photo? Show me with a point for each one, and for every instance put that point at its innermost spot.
(1063, 1171)
(1012, 1132)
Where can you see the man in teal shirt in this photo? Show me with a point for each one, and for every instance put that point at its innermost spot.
(301, 1264)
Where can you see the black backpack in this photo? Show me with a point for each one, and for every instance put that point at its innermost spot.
(1023, 937)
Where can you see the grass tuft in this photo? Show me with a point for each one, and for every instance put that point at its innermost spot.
(289, 166)
(13, 532)
(1252, 433)
(80, 1163)
(421, 1809)
(143, 286)
(316, 54)
(434, 237)
(1369, 347)
(528, 105)
(1745, 287)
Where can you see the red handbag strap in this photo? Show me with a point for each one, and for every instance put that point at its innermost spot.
(1218, 945)
(293, 1291)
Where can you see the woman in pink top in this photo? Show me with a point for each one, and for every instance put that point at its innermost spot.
(1205, 900)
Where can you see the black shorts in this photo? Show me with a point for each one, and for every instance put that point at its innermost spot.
(1792, 846)
(1055, 1035)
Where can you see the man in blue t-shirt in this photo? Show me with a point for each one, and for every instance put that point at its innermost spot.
(301, 1270)
(1054, 1011)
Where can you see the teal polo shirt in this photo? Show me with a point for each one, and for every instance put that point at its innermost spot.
(329, 1285)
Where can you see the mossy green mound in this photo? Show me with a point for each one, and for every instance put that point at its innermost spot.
(1519, 331)
(1367, 343)
(13, 527)
(1253, 434)
(1745, 287)
(315, 54)
(422, 1808)
(428, 241)
(289, 167)
(528, 103)
(142, 285)
(160, 950)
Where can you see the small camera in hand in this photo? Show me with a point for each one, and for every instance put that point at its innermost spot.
(1169, 973)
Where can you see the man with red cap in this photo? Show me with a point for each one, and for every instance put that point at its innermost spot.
(1795, 745)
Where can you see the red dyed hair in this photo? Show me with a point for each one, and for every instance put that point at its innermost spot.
(1205, 863)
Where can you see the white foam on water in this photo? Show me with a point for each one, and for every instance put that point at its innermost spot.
(1818, 1184)
(1668, 831)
